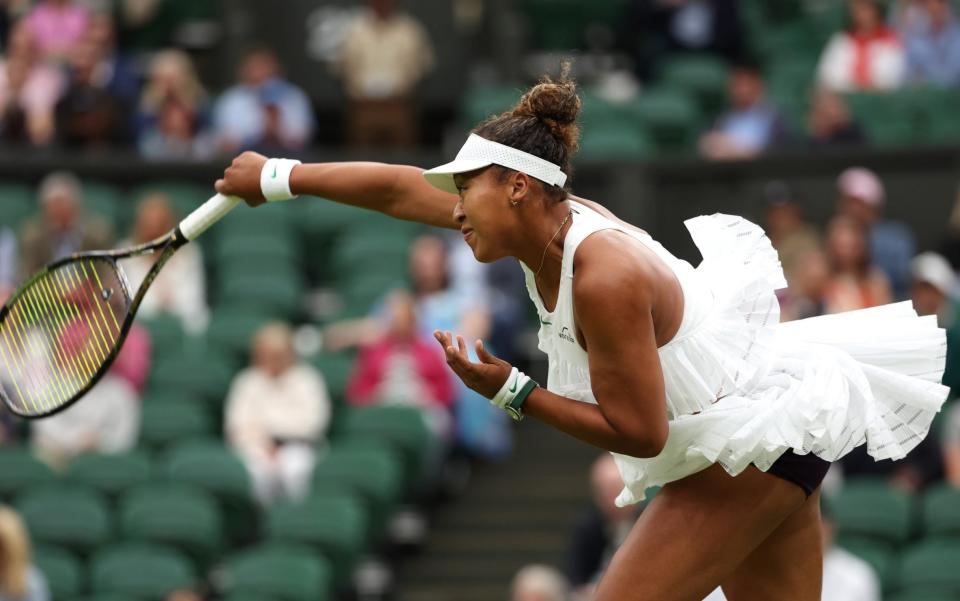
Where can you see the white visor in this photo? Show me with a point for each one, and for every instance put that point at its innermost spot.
(478, 153)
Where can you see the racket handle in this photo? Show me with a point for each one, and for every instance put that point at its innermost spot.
(206, 215)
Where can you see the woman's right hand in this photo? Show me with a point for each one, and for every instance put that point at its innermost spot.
(242, 178)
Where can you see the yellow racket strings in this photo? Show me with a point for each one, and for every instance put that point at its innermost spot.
(58, 334)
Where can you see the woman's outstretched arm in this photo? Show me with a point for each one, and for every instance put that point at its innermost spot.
(396, 190)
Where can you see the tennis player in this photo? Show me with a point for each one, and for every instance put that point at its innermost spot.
(683, 373)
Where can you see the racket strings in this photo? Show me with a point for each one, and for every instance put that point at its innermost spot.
(59, 332)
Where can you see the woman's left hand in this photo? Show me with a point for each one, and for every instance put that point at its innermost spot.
(486, 377)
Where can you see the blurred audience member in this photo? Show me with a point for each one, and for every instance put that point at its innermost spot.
(114, 68)
(790, 234)
(539, 583)
(405, 367)
(57, 27)
(933, 52)
(62, 227)
(385, 54)
(830, 122)
(751, 125)
(949, 247)
(108, 419)
(8, 262)
(806, 292)
(651, 28)
(20, 580)
(600, 530)
(855, 283)
(263, 111)
(908, 16)
(934, 292)
(846, 577)
(865, 57)
(277, 413)
(173, 110)
(951, 444)
(180, 288)
(891, 243)
(29, 91)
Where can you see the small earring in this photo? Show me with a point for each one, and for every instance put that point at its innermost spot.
(515, 203)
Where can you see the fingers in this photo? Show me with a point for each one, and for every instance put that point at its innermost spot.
(462, 345)
(486, 357)
(221, 186)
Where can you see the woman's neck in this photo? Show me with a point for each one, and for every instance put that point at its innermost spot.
(542, 250)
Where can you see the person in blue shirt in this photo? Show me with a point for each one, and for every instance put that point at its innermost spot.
(933, 51)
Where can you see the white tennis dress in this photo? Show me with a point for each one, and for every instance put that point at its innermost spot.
(743, 388)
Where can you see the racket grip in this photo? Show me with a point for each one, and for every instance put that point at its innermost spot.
(206, 215)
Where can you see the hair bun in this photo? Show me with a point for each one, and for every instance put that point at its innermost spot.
(556, 104)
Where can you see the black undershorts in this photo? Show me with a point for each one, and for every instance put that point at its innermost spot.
(806, 471)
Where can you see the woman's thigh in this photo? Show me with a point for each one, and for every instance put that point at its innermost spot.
(788, 566)
(695, 534)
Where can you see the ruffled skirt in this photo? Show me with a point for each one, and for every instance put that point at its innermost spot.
(823, 385)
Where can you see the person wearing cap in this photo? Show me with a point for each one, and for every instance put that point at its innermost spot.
(790, 233)
(934, 292)
(891, 243)
(684, 374)
(62, 228)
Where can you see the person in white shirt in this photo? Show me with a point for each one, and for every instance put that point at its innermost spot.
(277, 412)
(180, 288)
(868, 56)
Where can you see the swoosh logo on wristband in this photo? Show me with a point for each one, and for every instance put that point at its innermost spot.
(274, 176)
(514, 388)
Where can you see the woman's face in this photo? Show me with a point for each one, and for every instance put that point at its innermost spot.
(846, 245)
(865, 15)
(484, 213)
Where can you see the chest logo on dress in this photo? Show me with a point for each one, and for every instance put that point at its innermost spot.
(565, 334)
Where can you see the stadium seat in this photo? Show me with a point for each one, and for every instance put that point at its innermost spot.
(140, 570)
(278, 248)
(615, 144)
(17, 204)
(177, 515)
(941, 512)
(66, 516)
(873, 510)
(166, 333)
(110, 474)
(212, 466)
(230, 330)
(404, 428)
(556, 24)
(283, 573)
(273, 293)
(880, 558)
(921, 596)
(483, 102)
(64, 573)
(704, 77)
(108, 201)
(335, 524)
(198, 372)
(165, 422)
(671, 117)
(106, 597)
(371, 470)
(931, 567)
(355, 255)
(21, 471)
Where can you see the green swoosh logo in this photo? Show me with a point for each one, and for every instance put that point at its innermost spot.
(514, 388)
(274, 176)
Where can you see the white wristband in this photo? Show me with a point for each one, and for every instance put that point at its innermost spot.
(275, 179)
(510, 389)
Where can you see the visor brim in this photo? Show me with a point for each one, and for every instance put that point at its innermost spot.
(442, 177)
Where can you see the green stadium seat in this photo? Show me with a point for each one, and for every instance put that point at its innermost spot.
(483, 102)
(356, 255)
(106, 597)
(213, 467)
(704, 77)
(921, 596)
(278, 219)
(109, 202)
(279, 572)
(880, 558)
(66, 516)
(336, 369)
(110, 474)
(941, 512)
(556, 24)
(21, 471)
(231, 329)
(197, 373)
(178, 515)
(167, 422)
(615, 144)
(672, 118)
(64, 573)
(279, 248)
(360, 295)
(17, 204)
(266, 292)
(404, 428)
(140, 570)
(931, 567)
(335, 524)
(873, 510)
(166, 333)
(371, 470)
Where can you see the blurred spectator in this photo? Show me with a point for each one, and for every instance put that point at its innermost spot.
(57, 27)
(405, 367)
(115, 70)
(855, 283)
(62, 227)
(934, 292)
(20, 580)
(107, 420)
(908, 16)
(651, 28)
(846, 577)
(790, 234)
(173, 110)
(8, 262)
(277, 413)
(385, 54)
(263, 111)
(951, 444)
(867, 56)
(600, 530)
(29, 91)
(891, 243)
(539, 583)
(830, 122)
(184, 594)
(751, 125)
(933, 52)
(949, 247)
(808, 282)
(180, 288)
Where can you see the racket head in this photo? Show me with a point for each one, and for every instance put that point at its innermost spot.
(60, 332)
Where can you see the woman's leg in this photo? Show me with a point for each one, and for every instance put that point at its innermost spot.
(695, 534)
(788, 565)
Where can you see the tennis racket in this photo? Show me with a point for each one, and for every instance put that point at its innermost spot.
(63, 328)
